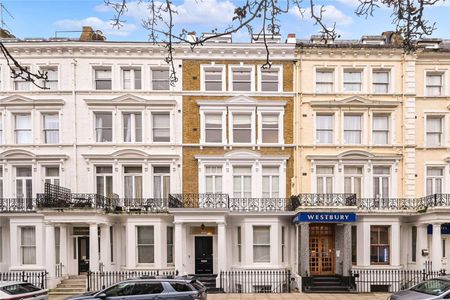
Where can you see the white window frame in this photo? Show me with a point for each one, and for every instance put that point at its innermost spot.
(159, 68)
(362, 135)
(241, 176)
(443, 139)
(380, 180)
(215, 110)
(443, 86)
(104, 176)
(235, 111)
(24, 180)
(326, 178)
(170, 245)
(29, 246)
(161, 112)
(147, 245)
(389, 127)
(133, 115)
(271, 176)
(132, 78)
(2, 129)
(44, 83)
(203, 77)
(17, 130)
(333, 83)
(353, 70)
(262, 245)
(434, 178)
(279, 68)
(161, 175)
(20, 80)
(214, 176)
(95, 125)
(389, 83)
(333, 127)
(44, 129)
(52, 179)
(252, 77)
(133, 176)
(94, 76)
(271, 111)
(353, 177)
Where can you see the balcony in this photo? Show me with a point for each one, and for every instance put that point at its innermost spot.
(223, 201)
(18, 205)
(373, 204)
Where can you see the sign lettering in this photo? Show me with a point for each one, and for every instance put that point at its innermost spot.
(325, 217)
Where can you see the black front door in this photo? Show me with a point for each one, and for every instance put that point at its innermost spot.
(203, 255)
(83, 254)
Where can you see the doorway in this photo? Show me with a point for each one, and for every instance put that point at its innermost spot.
(83, 254)
(203, 255)
(321, 249)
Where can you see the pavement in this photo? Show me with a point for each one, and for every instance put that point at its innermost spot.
(291, 296)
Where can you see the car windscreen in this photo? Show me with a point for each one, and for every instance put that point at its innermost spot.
(19, 288)
(433, 287)
(198, 285)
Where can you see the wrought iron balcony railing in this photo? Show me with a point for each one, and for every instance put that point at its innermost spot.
(260, 204)
(191, 200)
(138, 205)
(74, 201)
(327, 199)
(17, 205)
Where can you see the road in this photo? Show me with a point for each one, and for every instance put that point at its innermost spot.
(292, 296)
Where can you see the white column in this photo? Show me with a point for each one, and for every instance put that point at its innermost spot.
(436, 247)
(93, 247)
(63, 248)
(395, 244)
(14, 245)
(363, 239)
(160, 239)
(179, 247)
(105, 256)
(50, 258)
(221, 247)
(422, 243)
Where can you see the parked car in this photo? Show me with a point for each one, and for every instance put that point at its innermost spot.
(149, 288)
(436, 288)
(10, 290)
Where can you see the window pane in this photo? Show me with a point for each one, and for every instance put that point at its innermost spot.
(161, 127)
(103, 127)
(213, 128)
(242, 128)
(270, 128)
(213, 79)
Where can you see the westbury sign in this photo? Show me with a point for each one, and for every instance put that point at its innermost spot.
(324, 217)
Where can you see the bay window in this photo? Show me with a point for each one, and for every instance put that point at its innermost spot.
(353, 80)
(132, 182)
(132, 127)
(324, 129)
(352, 129)
(103, 79)
(242, 128)
(161, 127)
(242, 182)
(379, 245)
(434, 130)
(145, 244)
(270, 128)
(213, 78)
(51, 128)
(434, 84)
(261, 244)
(381, 179)
(28, 245)
(380, 129)
(380, 81)
(213, 179)
(104, 180)
(324, 179)
(23, 128)
(161, 182)
(435, 180)
(270, 182)
(103, 127)
(213, 127)
(324, 81)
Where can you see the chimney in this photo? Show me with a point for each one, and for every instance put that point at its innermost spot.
(191, 37)
(5, 34)
(86, 33)
(291, 38)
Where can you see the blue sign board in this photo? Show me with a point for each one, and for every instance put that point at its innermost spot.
(324, 217)
(445, 229)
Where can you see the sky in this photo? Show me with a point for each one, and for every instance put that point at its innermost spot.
(50, 18)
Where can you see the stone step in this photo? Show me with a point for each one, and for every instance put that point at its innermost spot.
(68, 289)
(77, 277)
(56, 293)
(73, 281)
(72, 285)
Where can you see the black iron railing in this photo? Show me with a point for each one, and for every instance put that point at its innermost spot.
(192, 200)
(386, 203)
(327, 199)
(99, 280)
(390, 280)
(16, 205)
(38, 278)
(138, 205)
(260, 204)
(255, 281)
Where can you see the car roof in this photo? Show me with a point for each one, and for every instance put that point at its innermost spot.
(186, 279)
(6, 283)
